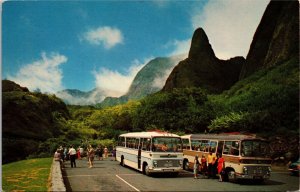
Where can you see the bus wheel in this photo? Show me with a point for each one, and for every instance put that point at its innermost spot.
(186, 165)
(146, 169)
(122, 161)
(231, 176)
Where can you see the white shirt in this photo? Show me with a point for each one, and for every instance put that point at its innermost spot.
(72, 151)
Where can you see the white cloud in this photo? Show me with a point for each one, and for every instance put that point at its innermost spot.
(43, 74)
(230, 24)
(96, 96)
(160, 80)
(114, 83)
(181, 47)
(106, 36)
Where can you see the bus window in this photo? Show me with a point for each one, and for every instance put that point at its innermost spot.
(186, 144)
(255, 148)
(130, 142)
(212, 146)
(204, 146)
(196, 145)
(136, 143)
(169, 144)
(145, 144)
(231, 148)
(121, 141)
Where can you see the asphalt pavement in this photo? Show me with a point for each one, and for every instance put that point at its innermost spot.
(108, 175)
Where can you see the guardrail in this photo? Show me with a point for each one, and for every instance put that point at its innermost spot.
(57, 181)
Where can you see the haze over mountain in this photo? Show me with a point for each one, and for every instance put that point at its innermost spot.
(149, 79)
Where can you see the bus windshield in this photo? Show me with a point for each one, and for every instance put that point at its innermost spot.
(166, 144)
(255, 148)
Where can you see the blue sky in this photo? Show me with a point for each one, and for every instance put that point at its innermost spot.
(55, 45)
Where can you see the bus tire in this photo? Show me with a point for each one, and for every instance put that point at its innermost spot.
(122, 163)
(146, 169)
(231, 176)
(185, 164)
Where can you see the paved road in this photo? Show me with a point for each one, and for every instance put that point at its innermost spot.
(110, 176)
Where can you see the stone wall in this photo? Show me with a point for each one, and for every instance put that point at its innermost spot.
(56, 178)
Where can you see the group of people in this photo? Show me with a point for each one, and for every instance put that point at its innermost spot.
(210, 167)
(64, 154)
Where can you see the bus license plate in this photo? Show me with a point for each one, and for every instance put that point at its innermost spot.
(257, 177)
(168, 170)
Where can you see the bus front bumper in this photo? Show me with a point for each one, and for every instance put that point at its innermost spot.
(254, 177)
(165, 170)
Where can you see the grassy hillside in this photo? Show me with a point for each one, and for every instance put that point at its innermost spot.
(26, 175)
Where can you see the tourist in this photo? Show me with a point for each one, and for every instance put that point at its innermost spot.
(72, 154)
(203, 165)
(196, 167)
(105, 152)
(91, 156)
(221, 167)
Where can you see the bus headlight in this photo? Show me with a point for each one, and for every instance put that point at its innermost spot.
(269, 170)
(245, 170)
(154, 163)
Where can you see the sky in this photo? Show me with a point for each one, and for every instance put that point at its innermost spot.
(55, 45)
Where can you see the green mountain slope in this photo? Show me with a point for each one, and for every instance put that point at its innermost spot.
(149, 79)
(28, 118)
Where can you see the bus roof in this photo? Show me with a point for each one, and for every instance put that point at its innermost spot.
(223, 136)
(149, 134)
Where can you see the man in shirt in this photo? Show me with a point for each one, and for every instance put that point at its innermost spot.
(210, 161)
(72, 153)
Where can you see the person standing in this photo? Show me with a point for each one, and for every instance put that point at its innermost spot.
(113, 154)
(196, 167)
(105, 152)
(57, 155)
(221, 166)
(100, 153)
(78, 153)
(203, 165)
(72, 153)
(210, 161)
(91, 155)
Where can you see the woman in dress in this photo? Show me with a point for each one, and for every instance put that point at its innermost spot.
(91, 155)
(221, 166)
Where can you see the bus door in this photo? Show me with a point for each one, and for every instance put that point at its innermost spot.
(220, 147)
(139, 152)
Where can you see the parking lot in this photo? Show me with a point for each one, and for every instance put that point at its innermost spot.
(108, 175)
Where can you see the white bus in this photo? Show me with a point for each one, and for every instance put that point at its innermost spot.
(150, 152)
(246, 156)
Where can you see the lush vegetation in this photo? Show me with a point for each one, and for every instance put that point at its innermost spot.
(26, 175)
(266, 103)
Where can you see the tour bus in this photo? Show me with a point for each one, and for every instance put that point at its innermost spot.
(246, 156)
(150, 152)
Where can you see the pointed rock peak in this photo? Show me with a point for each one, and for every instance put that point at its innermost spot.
(200, 44)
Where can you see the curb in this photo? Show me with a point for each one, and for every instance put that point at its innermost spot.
(57, 182)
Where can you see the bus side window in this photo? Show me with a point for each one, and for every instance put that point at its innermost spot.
(143, 144)
(186, 144)
(137, 143)
(226, 148)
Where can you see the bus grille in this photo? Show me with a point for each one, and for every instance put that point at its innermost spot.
(257, 170)
(168, 163)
